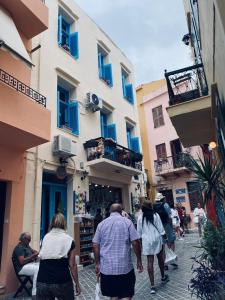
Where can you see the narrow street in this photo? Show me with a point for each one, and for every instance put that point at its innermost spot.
(176, 288)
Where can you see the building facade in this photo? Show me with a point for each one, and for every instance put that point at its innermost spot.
(94, 157)
(24, 120)
(203, 98)
(165, 154)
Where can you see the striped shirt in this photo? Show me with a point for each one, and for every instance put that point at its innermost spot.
(114, 235)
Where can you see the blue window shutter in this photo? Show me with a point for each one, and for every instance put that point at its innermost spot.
(60, 30)
(74, 50)
(100, 65)
(58, 110)
(124, 85)
(74, 118)
(102, 125)
(135, 146)
(108, 74)
(129, 93)
(111, 131)
(128, 138)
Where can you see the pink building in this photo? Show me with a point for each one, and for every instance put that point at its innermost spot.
(163, 151)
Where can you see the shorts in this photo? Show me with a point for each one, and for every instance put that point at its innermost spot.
(171, 236)
(121, 286)
(46, 291)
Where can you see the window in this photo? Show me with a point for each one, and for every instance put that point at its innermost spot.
(132, 141)
(107, 130)
(67, 111)
(161, 151)
(104, 68)
(157, 114)
(127, 87)
(67, 37)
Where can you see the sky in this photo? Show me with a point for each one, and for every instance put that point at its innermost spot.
(149, 32)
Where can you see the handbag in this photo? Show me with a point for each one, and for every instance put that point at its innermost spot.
(170, 255)
(97, 291)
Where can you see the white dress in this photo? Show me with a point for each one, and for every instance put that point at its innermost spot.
(151, 235)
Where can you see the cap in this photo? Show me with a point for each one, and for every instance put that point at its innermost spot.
(159, 197)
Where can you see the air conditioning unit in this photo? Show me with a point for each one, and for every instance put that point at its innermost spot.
(94, 103)
(64, 146)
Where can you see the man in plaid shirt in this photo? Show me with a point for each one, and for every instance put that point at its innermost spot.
(112, 248)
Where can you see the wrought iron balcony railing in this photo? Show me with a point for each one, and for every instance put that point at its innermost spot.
(22, 87)
(186, 84)
(107, 148)
(171, 163)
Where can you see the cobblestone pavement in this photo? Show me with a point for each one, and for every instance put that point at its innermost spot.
(176, 288)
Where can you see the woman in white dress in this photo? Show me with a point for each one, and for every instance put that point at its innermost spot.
(151, 231)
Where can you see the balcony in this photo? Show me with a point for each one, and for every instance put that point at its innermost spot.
(30, 17)
(105, 155)
(24, 119)
(190, 105)
(171, 166)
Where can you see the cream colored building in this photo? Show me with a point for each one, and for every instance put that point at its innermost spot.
(88, 82)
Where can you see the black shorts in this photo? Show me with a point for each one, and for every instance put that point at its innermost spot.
(121, 286)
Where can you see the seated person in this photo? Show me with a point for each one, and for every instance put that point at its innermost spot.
(25, 257)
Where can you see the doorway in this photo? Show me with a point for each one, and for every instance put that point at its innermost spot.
(54, 200)
(2, 214)
(194, 193)
(102, 196)
(176, 150)
(169, 196)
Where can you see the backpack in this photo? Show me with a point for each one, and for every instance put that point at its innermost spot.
(160, 210)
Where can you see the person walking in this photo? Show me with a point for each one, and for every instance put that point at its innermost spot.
(58, 267)
(112, 250)
(199, 218)
(176, 221)
(151, 230)
(24, 257)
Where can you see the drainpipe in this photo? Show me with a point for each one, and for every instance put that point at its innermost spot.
(36, 154)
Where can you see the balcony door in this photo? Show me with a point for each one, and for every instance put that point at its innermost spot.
(176, 150)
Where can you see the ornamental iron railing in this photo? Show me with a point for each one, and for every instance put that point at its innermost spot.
(186, 84)
(171, 163)
(108, 148)
(22, 87)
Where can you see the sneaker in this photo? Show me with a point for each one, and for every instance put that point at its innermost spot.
(180, 239)
(165, 279)
(152, 291)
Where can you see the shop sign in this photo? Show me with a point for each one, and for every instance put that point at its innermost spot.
(180, 191)
(180, 199)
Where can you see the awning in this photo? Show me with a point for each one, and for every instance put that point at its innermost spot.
(10, 38)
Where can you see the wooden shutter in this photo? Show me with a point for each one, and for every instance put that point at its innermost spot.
(60, 30)
(111, 131)
(108, 74)
(129, 93)
(73, 40)
(157, 114)
(161, 151)
(135, 146)
(124, 85)
(74, 118)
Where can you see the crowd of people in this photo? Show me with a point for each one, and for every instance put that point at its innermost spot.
(151, 232)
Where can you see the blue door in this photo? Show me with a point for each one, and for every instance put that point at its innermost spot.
(54, 200)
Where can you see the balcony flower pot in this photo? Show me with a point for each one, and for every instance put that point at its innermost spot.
(109, 142)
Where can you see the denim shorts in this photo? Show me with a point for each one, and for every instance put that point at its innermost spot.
(171, 236)
(63, 291)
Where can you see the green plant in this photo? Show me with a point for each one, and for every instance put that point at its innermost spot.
(209, 175)
(208, 280)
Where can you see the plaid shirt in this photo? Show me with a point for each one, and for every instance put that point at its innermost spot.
(114, 235)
